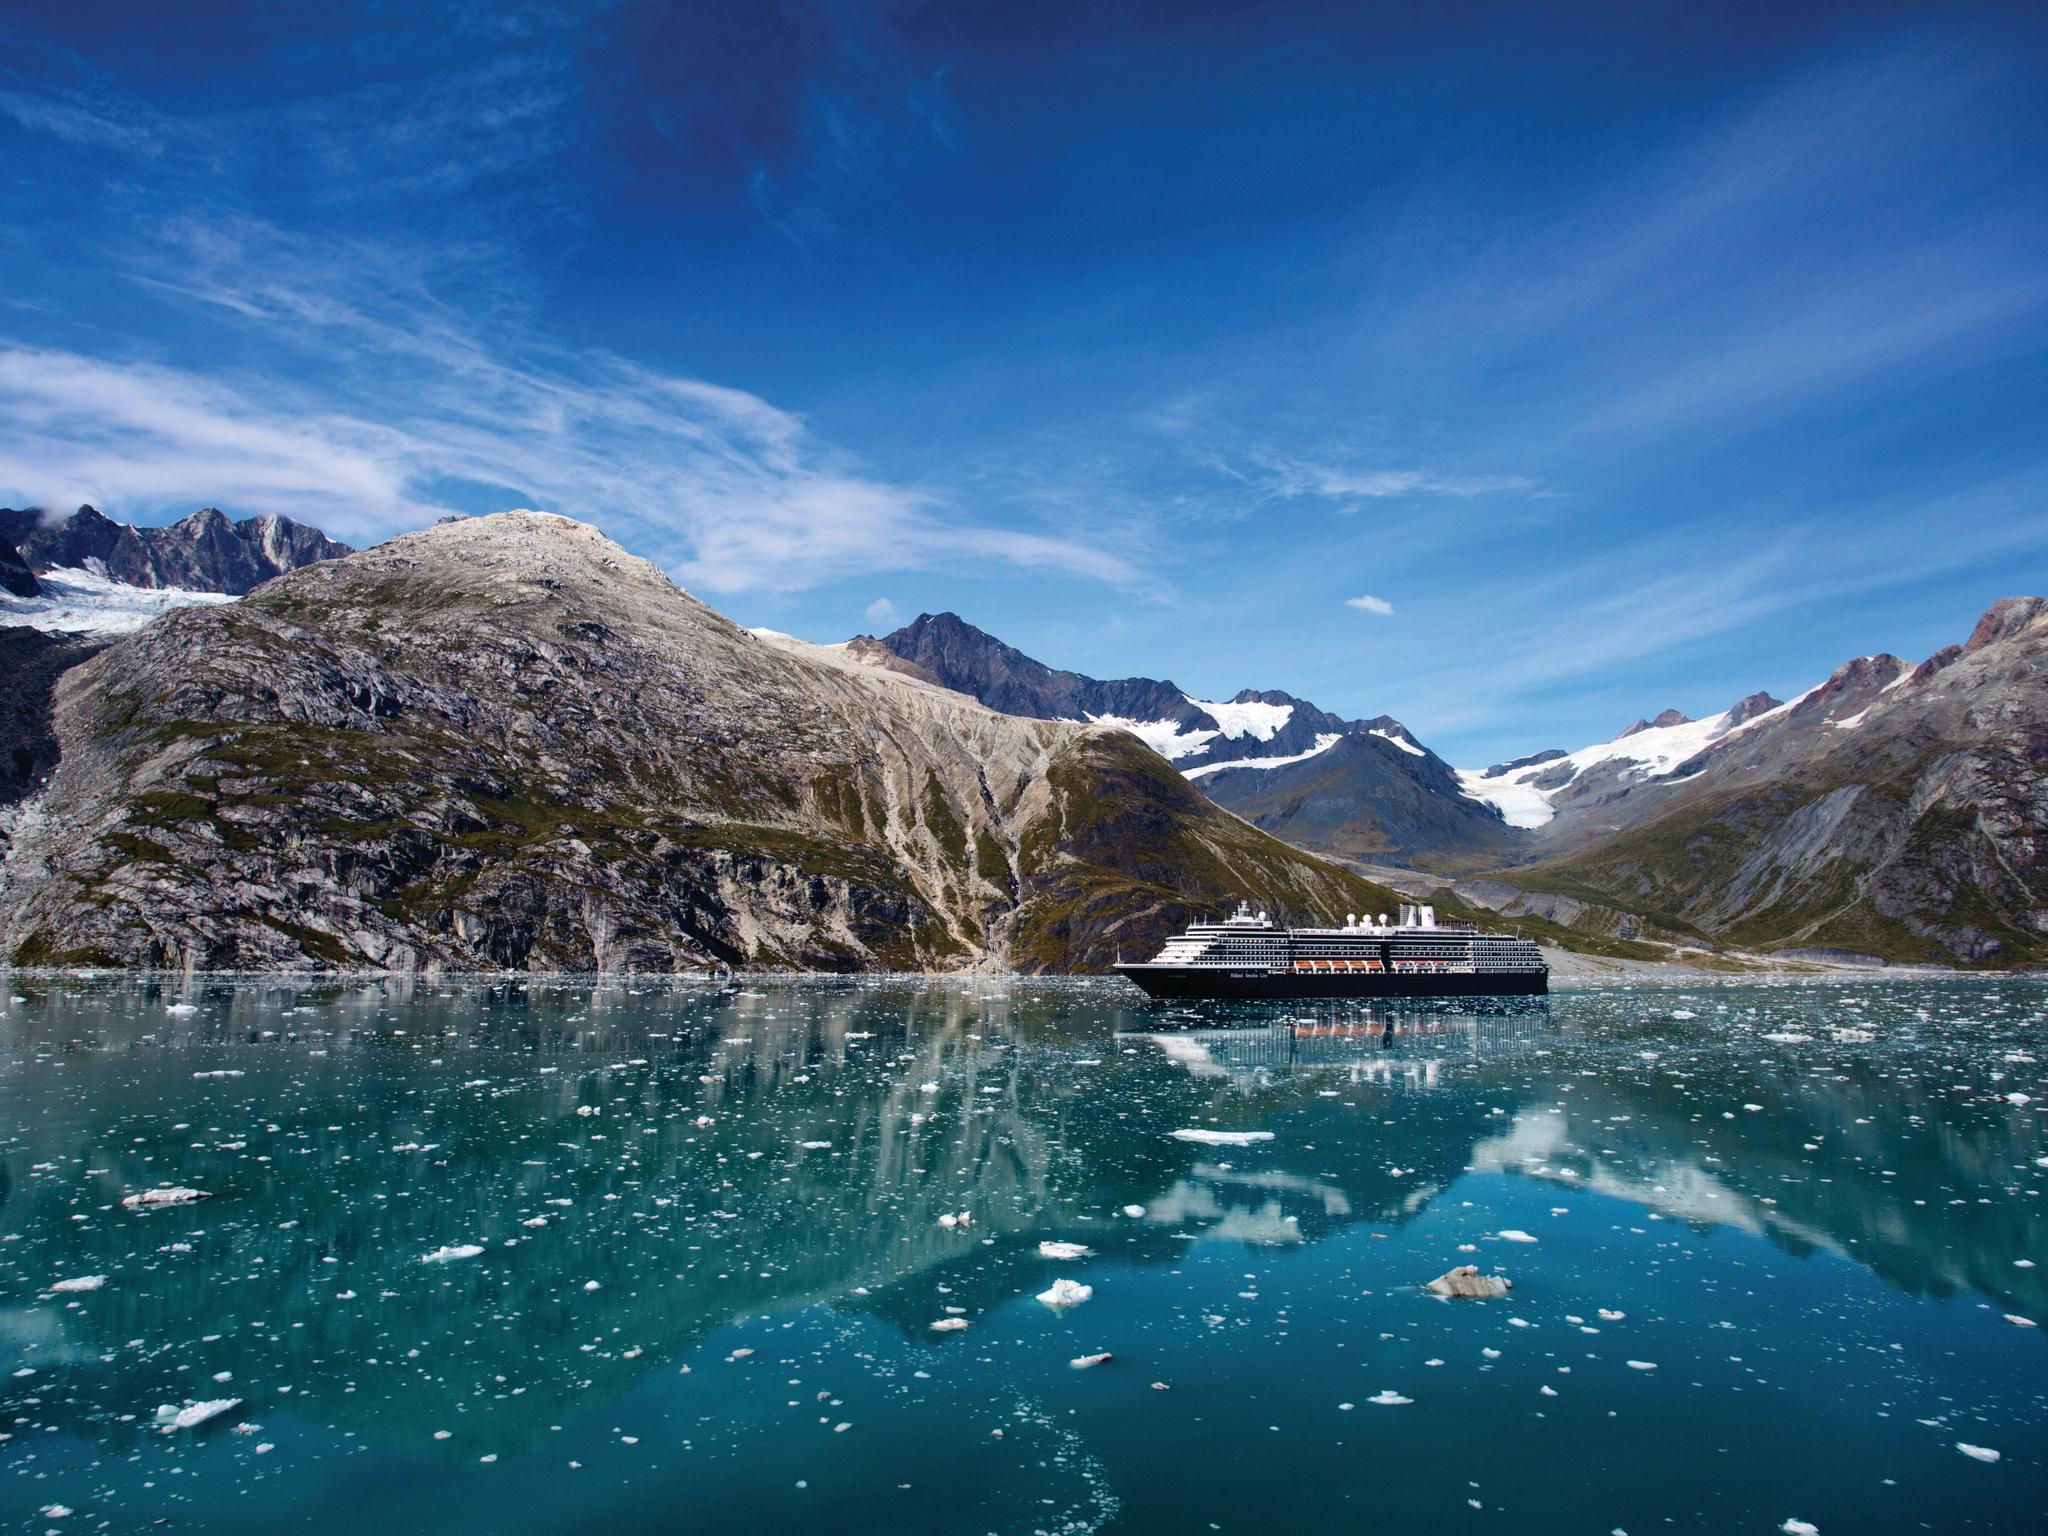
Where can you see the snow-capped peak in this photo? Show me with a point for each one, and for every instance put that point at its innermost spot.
(1261, 722)
(1649, 751)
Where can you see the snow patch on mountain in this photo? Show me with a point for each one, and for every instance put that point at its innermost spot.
(1324, 741)
(1520, 804)
(78, 601)
(1261, 722)
(1650, 752)
(1168, 738)
(1402, 742)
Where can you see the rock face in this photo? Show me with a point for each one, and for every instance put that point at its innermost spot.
(203, 552)
(17, 577)
(30, 664)
(505, 743)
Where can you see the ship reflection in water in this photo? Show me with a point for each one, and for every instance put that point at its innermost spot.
(531, 1257)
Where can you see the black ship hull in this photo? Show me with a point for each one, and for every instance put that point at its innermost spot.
(1218, 984)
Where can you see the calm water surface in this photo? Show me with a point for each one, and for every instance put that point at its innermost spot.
(565, 1258)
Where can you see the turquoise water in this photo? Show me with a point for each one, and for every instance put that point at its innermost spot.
(708, 1252)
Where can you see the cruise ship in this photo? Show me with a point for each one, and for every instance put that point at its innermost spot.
(1248, 956)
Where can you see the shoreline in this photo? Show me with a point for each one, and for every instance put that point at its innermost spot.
(1570, 971)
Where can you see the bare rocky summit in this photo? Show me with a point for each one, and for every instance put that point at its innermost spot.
(505, 743)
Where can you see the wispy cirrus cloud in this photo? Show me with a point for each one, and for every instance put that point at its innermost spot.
(1365, 602)
(376, 403)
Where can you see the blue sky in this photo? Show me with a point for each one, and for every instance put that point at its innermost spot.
(1623, 356)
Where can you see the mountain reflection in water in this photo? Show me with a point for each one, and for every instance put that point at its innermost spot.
(647, 1167)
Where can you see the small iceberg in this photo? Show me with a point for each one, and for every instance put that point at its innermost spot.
(1466, 1281)
(1053, 1250)
(1064, 1293)
(168, 1195)
(949, 1325)
(451, 1253)
(1514, 1235)
(1085, 1362)
(1390, 1399)
(80, 1283)
(192, 1415)
(1223, 1138)
(1977, 1452)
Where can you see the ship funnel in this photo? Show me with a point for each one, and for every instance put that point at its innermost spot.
(1426, 916)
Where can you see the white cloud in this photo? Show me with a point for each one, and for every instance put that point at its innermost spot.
(882, 611)
(1365, 602)
(382, 409)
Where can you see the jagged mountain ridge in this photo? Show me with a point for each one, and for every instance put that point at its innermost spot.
(202, 552)
(1191, 733)
(505, 743)
(1279, 761)
(1894, 810)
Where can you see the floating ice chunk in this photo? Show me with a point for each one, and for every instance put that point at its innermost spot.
(170, 1419)
(1642, 1365)
(1977, 1452)
(534, 1221)
(1800, 1528)
(1466, 1281)
(587, 1110)
(56, 1511)
(451, 1253)
(1084, 1362)
(949, 1325)
(1053, 1250)
(202, 1076)
(2019, 1098)
(963, 1219)
(1065, 1293)
(1609, 1315)
(180, 1010)
(2011, 1317)
(1514, 1235)
(1683, 1013)
(1223, 1138)
(1134, 1211)
(2022, 1263)
(1785, 1037)
(815, 1146)
(80, 1283)
(1390, 1399)
(167, 1195)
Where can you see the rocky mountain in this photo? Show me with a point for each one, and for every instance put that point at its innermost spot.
(504, 742)
(1370, 799)
(1278, 760)
(17, 576)
(84, 571)
(201, 552)
(1190, 733)
(1895, 810)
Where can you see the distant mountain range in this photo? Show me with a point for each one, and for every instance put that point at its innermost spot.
(505, 743)
(1357, 789)
(83, 571)
(1894, 811)
(509, 745)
